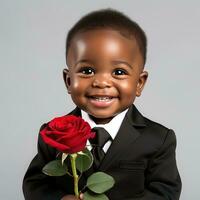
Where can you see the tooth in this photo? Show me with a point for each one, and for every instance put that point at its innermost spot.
(102, 98)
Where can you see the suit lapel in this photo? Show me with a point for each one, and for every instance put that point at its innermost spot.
(76, 112)
(126, 136)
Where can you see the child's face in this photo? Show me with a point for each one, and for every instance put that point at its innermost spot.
(105, 73)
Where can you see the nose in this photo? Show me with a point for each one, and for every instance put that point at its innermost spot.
(102, 81)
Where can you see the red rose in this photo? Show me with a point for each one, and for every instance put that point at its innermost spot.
(68, 134)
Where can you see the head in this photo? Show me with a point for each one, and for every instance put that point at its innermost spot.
(105, 55)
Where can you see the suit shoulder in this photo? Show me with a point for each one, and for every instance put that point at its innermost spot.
(158, 131)
(75, 111)
(155, 125)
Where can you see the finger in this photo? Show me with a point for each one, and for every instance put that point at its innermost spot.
(81, 196)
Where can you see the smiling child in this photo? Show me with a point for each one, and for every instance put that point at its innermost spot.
(106, 55)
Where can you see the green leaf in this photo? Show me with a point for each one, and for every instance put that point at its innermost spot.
(55, 168)
(100, 182)
(84, 161)
(86, 151)
(92, 196)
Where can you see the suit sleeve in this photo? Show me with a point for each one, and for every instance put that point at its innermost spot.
(162, 178)
(37, 185)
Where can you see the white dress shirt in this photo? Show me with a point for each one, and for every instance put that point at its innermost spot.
(111, 127)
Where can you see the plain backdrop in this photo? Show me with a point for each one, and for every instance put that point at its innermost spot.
(32, 56)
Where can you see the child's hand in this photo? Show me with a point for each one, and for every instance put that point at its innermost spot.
(72, 197)
(69, 197)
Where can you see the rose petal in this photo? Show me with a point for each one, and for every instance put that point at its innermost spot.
(68, 134)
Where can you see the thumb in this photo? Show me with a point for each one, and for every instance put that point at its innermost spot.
(81, 196)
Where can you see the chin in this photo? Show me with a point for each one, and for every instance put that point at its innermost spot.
(101, 115)
(101, 118)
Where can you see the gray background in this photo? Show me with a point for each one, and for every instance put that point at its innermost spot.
(32, 37)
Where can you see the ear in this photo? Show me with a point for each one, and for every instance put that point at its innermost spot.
(141, 83)
(66, 78)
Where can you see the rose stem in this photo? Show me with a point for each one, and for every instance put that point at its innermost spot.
(74, 172)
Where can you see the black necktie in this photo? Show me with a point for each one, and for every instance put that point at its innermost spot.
(102, 136)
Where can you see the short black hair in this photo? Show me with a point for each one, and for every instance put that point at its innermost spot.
(111, 19)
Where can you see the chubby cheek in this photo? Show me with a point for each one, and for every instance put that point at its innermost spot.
(75, 85)
(127, 89)
(77, 88)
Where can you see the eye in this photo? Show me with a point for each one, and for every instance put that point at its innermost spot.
(119, 72)
(86, 70)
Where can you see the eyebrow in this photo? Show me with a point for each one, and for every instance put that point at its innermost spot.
(113, 62)
(82, 60)
(122, 62)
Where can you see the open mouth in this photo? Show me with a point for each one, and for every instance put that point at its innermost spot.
(103, 99)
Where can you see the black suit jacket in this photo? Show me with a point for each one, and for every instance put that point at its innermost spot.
(141, 159)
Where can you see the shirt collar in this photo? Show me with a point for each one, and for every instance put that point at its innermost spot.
(111, 127)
